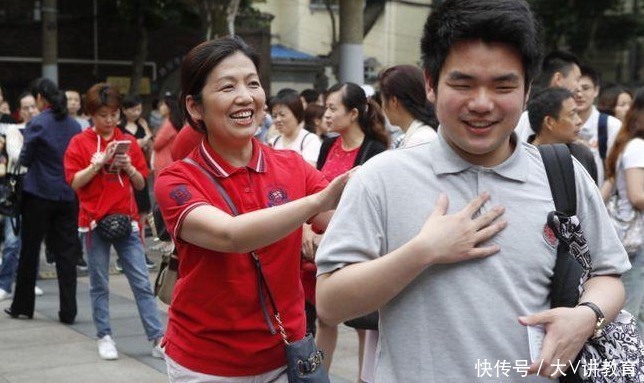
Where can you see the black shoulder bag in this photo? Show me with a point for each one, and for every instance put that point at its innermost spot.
(304, 360)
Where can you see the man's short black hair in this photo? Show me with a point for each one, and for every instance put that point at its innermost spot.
(547, 102)
(504, 21)
(556, 62)
(310, 95)
(592, 74)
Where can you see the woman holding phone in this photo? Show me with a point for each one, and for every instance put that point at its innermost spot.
(103, 165)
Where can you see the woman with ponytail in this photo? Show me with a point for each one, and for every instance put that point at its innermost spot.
(360, 125)
(362, 134)
(404, 101)
(48, 203)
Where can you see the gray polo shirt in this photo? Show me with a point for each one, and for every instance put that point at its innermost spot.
(454, 321)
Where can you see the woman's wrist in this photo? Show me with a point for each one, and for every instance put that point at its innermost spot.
(131, 172)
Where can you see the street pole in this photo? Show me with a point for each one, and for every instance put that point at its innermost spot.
(50, 40)
(351, 36)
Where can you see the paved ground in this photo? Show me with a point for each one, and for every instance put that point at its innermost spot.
(43, 350)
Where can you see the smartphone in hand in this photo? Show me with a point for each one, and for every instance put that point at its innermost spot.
(121, 147)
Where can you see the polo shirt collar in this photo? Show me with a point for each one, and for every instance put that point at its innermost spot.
(221, 168)
(446, 161)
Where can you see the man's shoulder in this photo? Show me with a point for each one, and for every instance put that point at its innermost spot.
(391, 161)
(613, 123)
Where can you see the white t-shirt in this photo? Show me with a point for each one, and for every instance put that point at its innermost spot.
(523, 128)
(418, 133)
(589, 133)
(306, 143)
(631, 157)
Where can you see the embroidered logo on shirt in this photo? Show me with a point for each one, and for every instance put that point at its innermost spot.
(180, 194)
(549, 236)
(277, 197)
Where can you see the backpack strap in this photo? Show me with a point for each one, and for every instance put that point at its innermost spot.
(561, 176)
(304, 139)
(557, 160)
(602, 135)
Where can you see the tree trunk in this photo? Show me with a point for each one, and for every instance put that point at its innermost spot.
(216, 21)
(140, 56)
(231, 13)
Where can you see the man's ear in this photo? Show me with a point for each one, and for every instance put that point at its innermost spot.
(194, 108)
(556, 80)
(429, 88)
(549, 123)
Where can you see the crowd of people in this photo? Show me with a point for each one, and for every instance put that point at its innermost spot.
(415, 214)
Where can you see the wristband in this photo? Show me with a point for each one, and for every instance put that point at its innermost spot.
(95, 168)
(130, 175)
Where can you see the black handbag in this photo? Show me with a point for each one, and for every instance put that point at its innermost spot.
(304, 362)
(11, 197)
(114, 227)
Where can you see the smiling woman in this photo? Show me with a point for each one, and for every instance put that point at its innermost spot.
(226, 337)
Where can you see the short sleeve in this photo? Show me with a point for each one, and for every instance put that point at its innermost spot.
(607, 253)
(177, 193)
(633, 156)
(74, 161)
(355, 233)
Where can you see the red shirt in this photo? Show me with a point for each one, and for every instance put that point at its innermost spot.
(186, 140)
(107, 192)
(163, 145)
(216, 324)
(338, 160)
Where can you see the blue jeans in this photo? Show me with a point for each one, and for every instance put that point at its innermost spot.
(633, 281)
(10, 256)
(130, 251)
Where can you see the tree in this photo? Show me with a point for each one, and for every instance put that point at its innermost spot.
(146, 15)
(587, 27)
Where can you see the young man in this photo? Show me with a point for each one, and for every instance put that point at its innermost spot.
(457, 282)
(554, 118)
(598, 130)
(560, 69)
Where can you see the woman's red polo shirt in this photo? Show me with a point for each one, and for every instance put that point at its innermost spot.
(216, 323)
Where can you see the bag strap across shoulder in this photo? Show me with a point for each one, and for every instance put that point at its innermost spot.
(261, 280)
(602, 135)
(561, 176)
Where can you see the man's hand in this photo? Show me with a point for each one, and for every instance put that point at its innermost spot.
(454, 238)
(567, 329)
